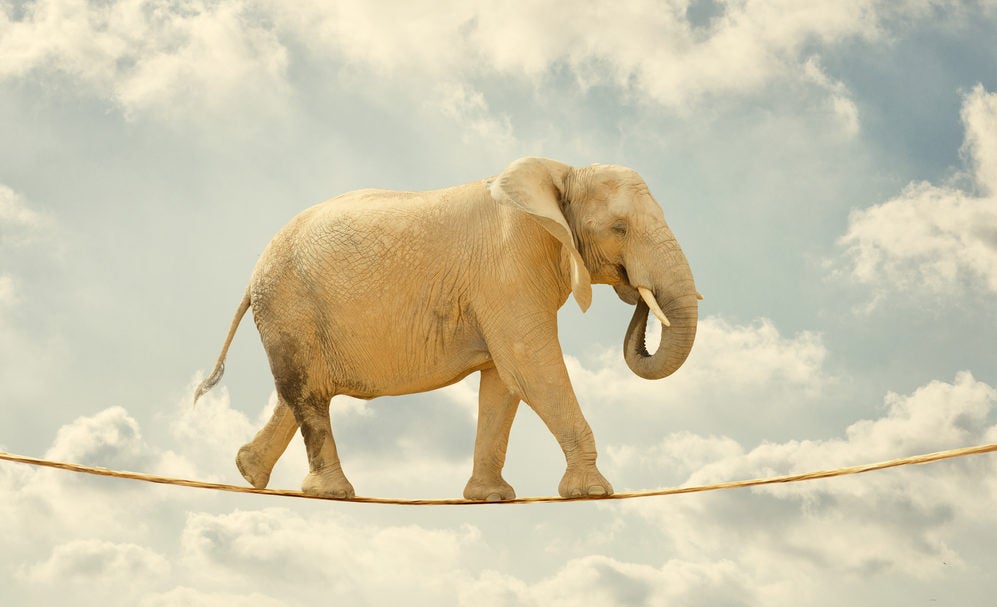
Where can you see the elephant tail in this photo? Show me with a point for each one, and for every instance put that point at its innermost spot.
(219, 369)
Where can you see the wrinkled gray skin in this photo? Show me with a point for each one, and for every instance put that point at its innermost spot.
(380, 293)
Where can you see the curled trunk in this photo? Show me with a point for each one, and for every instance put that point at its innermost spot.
(676, 340)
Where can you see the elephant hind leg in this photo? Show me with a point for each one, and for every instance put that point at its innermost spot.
(325, 472)
(300, 375)
(256, 458)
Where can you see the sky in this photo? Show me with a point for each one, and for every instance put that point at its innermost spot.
(830, 170)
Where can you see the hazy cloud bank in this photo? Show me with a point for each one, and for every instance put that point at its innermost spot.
(731, 546)
(934, 239)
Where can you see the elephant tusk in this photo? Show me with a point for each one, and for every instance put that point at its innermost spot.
(699, 296)
(648, 298)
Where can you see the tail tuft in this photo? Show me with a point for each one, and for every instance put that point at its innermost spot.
(211, 381)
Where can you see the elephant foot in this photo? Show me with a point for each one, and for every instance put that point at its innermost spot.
(252, 467)
(488, 490)
(581, 482)
(328, 482)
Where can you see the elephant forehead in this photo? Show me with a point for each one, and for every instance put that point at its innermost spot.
(634, 200)
(610, 173)
(620, 182)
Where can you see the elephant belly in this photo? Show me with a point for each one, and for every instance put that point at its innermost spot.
(394, 371)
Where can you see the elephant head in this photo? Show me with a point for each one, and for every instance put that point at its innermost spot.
(613, 232)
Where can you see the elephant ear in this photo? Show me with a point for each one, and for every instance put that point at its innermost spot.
(536, 187)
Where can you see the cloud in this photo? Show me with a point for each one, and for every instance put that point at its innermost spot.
(469, 110)
(840, 101)
(648, 53)
(679, 453)
(59, 506)
(336, 552)
(212, 59)
(721, 349)
(110, 438)
(816, 542)
(170, 60)
(934, 240)
(25, 354)
(730, 365)
(751, 547)
(600, 580)
(979, 114)
(904, 521)
(654, 52)
(190, 597)
(98, 563)
(211, 432)
(15, 212)
(166, 59)
(19, 223)
(92, 571)
(89, 535)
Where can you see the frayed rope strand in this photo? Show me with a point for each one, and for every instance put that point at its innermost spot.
(791, 478)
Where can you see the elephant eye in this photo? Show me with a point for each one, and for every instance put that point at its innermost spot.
(619, 228)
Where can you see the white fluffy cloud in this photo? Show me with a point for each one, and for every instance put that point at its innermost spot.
(600, 580)
(189, 597)
(166, 58)
(59, 506)
(112, 433)
(169, 58)
(816, 543)
(937, 239)
(98, 562)
(979, 114)
(213, 416)
(468, 108)
(732, 547)
(15, 214)
(730, 366)
(334, 550)
(901, 521)
(651, 51)
(651, 47)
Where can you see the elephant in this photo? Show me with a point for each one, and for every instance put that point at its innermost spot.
(376, 293)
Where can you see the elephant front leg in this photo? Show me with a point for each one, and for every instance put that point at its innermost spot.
(559, 410)
(496, 411)
(536, 370)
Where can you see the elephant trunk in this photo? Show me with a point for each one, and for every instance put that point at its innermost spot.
(676, 339)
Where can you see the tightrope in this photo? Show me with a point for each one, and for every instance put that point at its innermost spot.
(790, 478)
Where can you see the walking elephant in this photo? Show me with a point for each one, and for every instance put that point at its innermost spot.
(378, 293)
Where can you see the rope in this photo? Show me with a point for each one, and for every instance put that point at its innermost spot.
(791, 478)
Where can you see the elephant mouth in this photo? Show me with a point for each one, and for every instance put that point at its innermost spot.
(624, 288)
